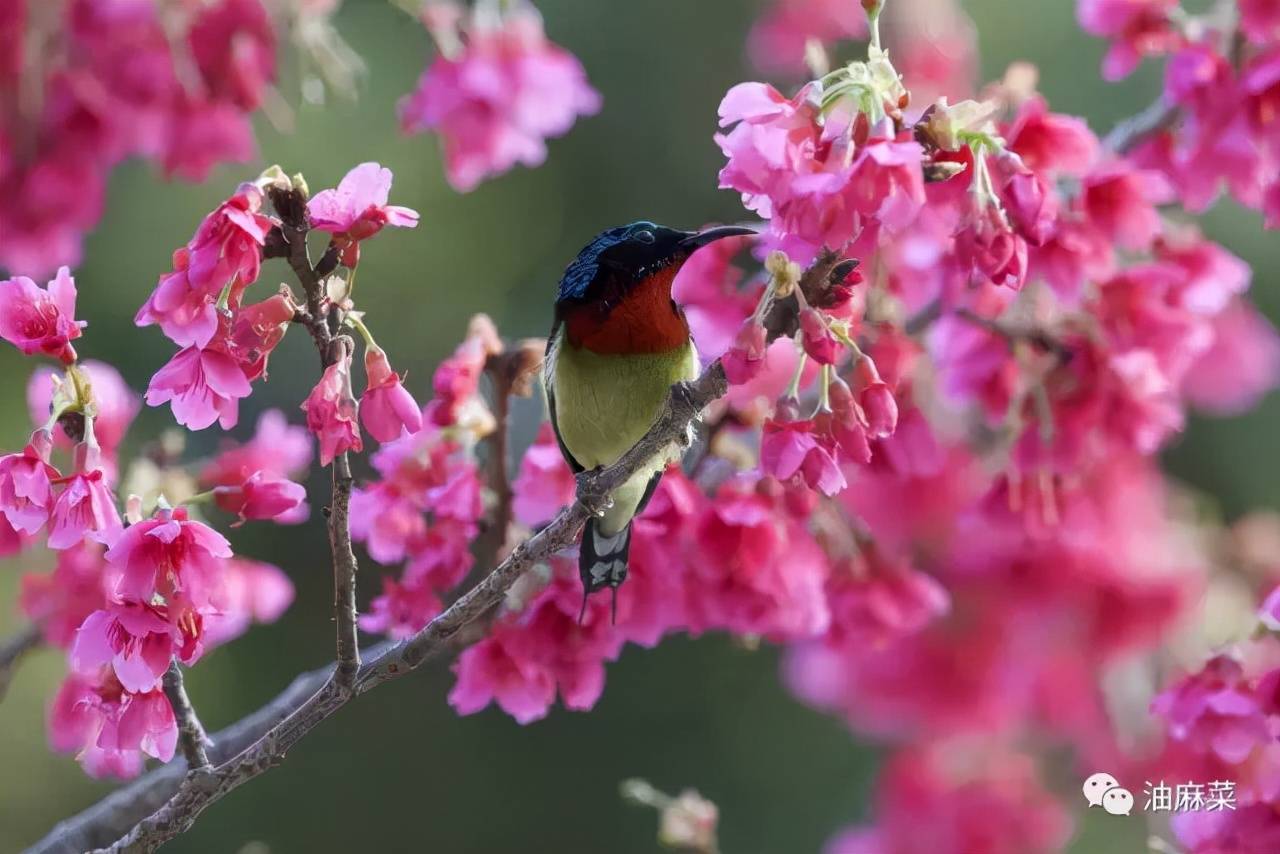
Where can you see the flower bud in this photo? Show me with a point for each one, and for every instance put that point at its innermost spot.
(817, 339)
(744, 360)
(876, 400)
(786, 273)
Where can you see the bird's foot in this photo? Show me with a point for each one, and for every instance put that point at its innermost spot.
(589, 494)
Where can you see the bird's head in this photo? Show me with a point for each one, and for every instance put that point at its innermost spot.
(620, 259)
(615, 298)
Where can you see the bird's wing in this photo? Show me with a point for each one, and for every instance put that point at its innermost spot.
(549, 361)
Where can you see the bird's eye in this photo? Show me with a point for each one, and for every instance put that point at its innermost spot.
(645, 236)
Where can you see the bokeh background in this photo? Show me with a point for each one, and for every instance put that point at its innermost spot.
(398, 771)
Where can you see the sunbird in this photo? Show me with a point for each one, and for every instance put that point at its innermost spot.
(618, 344)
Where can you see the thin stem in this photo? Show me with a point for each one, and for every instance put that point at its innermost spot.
(191, 736)
(793, 390)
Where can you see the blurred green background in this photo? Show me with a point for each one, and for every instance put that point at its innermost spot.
(408, 773)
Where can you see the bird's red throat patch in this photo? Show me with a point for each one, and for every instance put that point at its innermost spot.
(643, 320)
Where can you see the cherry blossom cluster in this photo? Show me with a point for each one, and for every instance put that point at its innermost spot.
(126, 596)
(497, 89)
(1218, 129)
(130, 597)
(934, 477)
(86, 84)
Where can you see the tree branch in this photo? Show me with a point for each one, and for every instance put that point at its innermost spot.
(12, 649)
(259, 742)
(191, 735)
(272, 731)
(1127, 134)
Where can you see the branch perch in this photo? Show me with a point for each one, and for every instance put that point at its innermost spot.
(157, 807)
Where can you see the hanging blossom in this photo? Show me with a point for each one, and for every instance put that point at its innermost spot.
(128, 80)
(1221, 84)
(496, 92)
(41, 321)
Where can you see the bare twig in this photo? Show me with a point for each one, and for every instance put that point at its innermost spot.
(14, 648)
(1127, 135)
(191, 736)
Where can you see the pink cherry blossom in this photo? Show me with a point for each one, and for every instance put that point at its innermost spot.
(276, 448)
(332, 412)
(262, 495)
(61, 600)
(1216, 711)
(26, 494)
(545, 484)
(1239, 367)
(777, 40)
(169, 555)
(187, 315)
(41, 321)
(387, 410)
(737, 579)
(932, 798)
(358, 209)
(530, 657)
(255, 331)
(86, 506)
(251, 592)
(135, 639)
(227, 247)
(1051, 142)
(202, 386)
(112, 728)
(500, 97)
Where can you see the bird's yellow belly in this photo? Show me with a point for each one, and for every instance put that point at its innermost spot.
(606, 403)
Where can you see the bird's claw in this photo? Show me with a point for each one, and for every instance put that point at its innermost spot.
(588, 495)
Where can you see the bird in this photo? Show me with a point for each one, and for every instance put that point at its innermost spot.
(618, 343)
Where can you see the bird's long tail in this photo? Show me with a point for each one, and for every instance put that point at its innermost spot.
(602, 562)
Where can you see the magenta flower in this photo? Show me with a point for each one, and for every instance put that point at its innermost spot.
(255, 332)
(876, 399)
(500, 97)
(1240, 367)
(109, 726)
(1051, 142)
(262, 495)
(276, 447)
(202, 386)
(358, 209)
(135, 639)
(41, 321)
(168, 555)
(530, 657)
(1122, 203)
(777, 40)
(188, 316)
(332, 412)
(60, 601)
(545, 484)
(387, 410)
(790, 448)
(26, 494)
(86, 506)
(252, 592)
(744, 360)
(228, 244)
(1216, 711)
(817, 339)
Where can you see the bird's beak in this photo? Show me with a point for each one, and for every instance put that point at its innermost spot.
(702, 238)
